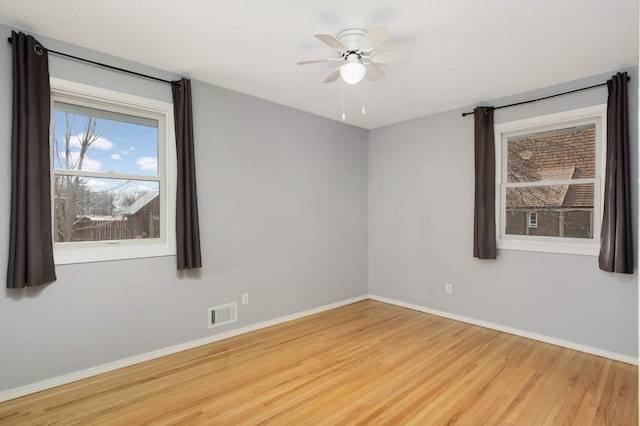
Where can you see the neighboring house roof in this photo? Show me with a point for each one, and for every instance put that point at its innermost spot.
(140, 203)
(560, 155)
(560, 173)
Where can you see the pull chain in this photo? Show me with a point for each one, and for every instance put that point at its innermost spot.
(364, 111)
(344, 116)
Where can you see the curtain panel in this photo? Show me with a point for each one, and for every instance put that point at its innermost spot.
(187, 224)
(30, 243)
(616, 238)
(484, 223)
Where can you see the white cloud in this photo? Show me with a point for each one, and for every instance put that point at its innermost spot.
(116, 157)
(96, 184)
(101, 143)
(133, 148)
(87, 163)
(147, 163)
(123, 152)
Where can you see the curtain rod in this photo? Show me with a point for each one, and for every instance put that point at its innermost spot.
(100, 64)
(464, 114)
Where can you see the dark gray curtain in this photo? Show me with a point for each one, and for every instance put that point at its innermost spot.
(30, 243)
(616, 239)
(484, 220)
(187, 226)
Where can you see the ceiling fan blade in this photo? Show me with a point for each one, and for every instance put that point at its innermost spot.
(373, 73)
(332, 42)
(390, 56)
(374, 38)
(333, 76)
(313, 61)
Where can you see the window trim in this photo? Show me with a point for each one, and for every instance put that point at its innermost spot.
(580, 246)
(98, 251)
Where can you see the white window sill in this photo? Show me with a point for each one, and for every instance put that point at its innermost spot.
(547, 245)
(109, 251)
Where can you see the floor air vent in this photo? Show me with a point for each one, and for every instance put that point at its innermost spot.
(223, 314)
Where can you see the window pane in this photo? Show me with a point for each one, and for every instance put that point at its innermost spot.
(560, 210)
(557, 155)
(103, 141)
(89, 209)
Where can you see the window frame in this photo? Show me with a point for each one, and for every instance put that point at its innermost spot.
(108, 100)
(595, 114)
(532, 220)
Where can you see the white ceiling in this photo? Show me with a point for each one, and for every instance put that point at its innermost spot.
(464, 51)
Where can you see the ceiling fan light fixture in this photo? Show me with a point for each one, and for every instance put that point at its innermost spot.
(354, 47)
(353, 71)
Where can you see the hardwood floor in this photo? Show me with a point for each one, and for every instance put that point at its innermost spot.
(365, 363)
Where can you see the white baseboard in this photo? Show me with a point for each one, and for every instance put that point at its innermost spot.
(104, 368)
(529, 335)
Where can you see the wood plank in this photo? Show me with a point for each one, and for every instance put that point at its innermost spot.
(365, 363)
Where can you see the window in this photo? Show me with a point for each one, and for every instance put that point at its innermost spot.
(111, 170)
(548, 172)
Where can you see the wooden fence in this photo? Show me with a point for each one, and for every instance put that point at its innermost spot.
(101, 230)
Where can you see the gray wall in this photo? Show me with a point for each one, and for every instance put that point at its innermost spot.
(421, 234)
(283, 207)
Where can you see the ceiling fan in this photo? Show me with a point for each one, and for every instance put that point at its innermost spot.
(359, 56)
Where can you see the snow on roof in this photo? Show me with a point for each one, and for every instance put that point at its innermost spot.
(140, 203)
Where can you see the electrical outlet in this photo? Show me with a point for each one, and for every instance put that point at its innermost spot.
(245, 298)
(448, 288)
